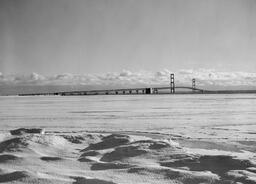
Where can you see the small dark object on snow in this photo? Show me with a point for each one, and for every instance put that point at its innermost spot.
(21, 131)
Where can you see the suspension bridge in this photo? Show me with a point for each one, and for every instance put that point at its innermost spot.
(172, 89)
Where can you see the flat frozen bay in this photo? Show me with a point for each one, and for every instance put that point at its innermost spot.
(189, 115)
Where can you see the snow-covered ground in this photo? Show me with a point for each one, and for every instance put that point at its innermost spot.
(187, 139)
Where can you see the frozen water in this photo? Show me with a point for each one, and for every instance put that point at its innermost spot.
(185, 115)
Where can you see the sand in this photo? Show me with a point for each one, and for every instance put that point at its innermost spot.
(123, 158)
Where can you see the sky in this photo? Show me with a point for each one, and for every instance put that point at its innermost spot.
(49, 38)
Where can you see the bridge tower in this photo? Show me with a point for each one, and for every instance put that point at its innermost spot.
(194, 84)
(172, 83)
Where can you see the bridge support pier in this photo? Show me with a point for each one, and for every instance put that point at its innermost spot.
(193, 84)
(172, 83)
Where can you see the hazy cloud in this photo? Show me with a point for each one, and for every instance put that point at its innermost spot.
(204, 77)
(211, 77)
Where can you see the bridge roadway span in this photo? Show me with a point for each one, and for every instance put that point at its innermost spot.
(154, 90)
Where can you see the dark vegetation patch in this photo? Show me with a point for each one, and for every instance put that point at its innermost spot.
(74, 139)
(105, 166)
(22, 131)
(14, 144)
(111, 141)
(133, 149)
(123, 152)
(219, 165)
(114, 136)
(17, 175)
(6, 158)
(176, 156)
(81, 180)
(50, 158)
(90, 153)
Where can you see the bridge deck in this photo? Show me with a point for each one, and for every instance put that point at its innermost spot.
(153, 90)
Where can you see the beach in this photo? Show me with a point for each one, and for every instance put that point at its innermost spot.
(184, 139)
